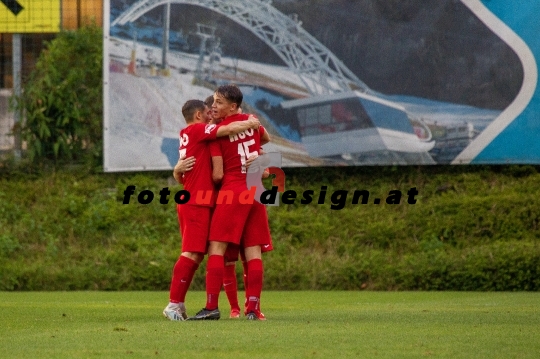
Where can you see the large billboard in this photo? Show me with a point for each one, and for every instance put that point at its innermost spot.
(369, 82)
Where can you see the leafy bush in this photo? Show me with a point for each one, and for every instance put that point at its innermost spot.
(68, 230)
(62, 99)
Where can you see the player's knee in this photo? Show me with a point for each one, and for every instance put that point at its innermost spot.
(194, 256)
(253, 252)
(217, 248)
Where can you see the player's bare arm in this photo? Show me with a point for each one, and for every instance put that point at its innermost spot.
(217, 169)
(265, 138)
(238, 127)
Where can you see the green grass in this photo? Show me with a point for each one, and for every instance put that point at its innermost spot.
(300, 325)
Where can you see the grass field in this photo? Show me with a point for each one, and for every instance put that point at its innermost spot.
(300, 325)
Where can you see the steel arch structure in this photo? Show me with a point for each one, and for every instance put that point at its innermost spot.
(318, 68)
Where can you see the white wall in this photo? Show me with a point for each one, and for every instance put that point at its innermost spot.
(6, 121)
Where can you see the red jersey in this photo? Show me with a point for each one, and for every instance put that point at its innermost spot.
(194, 140)
(235, 150)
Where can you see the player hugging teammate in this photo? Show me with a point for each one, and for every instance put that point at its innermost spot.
(216, 153)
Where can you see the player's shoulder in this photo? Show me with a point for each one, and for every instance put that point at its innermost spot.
(208, 128)
(200, 128)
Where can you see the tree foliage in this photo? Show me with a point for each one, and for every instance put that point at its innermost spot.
(62, 98)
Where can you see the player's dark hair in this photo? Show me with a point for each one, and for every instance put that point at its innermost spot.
(209, 101)
(190, 108)
(231, 93)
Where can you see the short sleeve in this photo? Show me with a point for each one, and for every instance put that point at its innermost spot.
(215, 149)
(206, 132)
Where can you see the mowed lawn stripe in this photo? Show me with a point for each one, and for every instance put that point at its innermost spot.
(315, 324)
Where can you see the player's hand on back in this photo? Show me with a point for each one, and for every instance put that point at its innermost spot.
(254, 122)
(250, 160)
(185, 164)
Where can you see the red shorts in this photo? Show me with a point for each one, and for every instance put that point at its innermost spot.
(233, 251)
(245, 224)
(194, 224)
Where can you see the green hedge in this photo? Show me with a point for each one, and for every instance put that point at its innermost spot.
(472, 228)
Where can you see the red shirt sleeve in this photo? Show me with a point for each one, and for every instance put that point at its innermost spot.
(215, 149)
(206, 132)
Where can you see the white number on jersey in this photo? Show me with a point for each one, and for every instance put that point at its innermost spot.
(184, 140)
(245, 153)
(182, 152)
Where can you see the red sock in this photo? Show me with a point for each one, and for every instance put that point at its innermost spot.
(244, 264)
(214, 279)
(183, 273)
(231, 286)
(255, 280)
(245, 277)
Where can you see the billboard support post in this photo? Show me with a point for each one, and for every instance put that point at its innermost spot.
(17, 115)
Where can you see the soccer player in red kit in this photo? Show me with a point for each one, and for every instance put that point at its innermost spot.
(232, 253)
(194, 216)
(236, 219)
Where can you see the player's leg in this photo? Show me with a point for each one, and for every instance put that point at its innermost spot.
(264, 248)
(183, 273)
(214, 273)
(228, 222)
(255, 281)
(214, 279)
(230, 284)
(194, 238)
(256, 240)
(245, 278)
